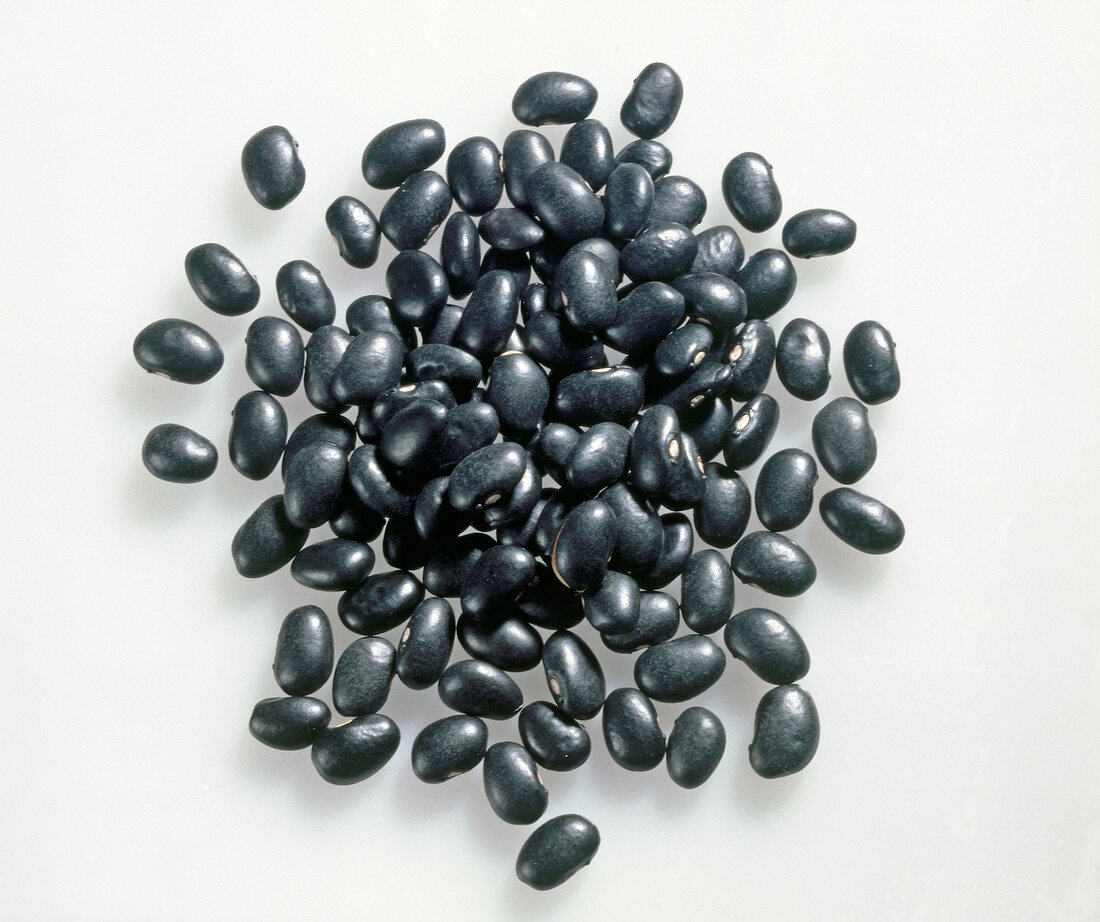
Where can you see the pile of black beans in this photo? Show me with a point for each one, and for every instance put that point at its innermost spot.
(535, 452)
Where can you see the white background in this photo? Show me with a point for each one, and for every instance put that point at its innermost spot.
(958, 680)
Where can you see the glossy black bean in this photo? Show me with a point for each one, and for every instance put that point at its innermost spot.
(720, 250)
(545, 257)
(497, 578)
(533, 299)
(706, 381)
(552, 341)
(554, 739)
(519, 391)
(586, 291)
(583, 545)
(662, 252)
(321, 427)
(434, 519)
(632, 731)
(679, 669)
(785, 489)
(870, 362)
(267, 541)
(689, 485)
(768, 279)
(375, 312)
(637, 529)
(272, 169)
(522, 533)
(612, 394)
(802, 359)
(288, 723)
(645, 317)
(364, 673)
(751, 193)
(274, 355)
(573, 675)
(560, 504)
(510, 229)
(628, 200)
(843, 439)
(556, 851)
(333, 565)
(418, 288)
(410, 442)
(678, 200)
(652, 452)
(388, 404)
(516, 504)
(751, 357)
(258, 435)
(479, 689)
(458, 368)
(353, 751)
(658, 621)
(313, 482)
(524, 151)
(721, 517)
(509, 644)
(753, 426)
(547, 603)
(563, 202)
(553, 98)
(415, 210)
(695, 747)
(708, 424)
(448, 747)
(713, 299)
(677, 543)
(552, 447)
(304, 295)
(768, 644)
(653, 102)
(460, 254)
(355, 229)
(818, 232)
(324, 353)
(612, 606)
(485, 476)
(399, 151)
(425, 644)
(178, 455)
(587, 149)
(605, 249)
(303, 653)
(375, 486)
(469, 427)
(706, 593)
(402, 547)
(682, 349)
(180, 350)
(509, 261)
(786, 733)
(382, 602)
(489, 317)
(773, 563)
(353, 520)
(599, 458)
(513, 786)
(220, 280)
(862, 521)
(474, 175)
(652, 156)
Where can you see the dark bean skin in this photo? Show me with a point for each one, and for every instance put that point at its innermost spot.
(599, 458)
(381, 603)
(802, 359)
(605, 250)
(652, 156)
(586, 291)
(768, 644)
(482, 478)
(510, 644)
(720, 250)
(843, 439)
(389, 403)
(638, 532)
(304, 295)
(753, 426)
(418, 288)
(545, 257)
(663, 251)
(871, 363)
(353, 520)
(220, 280)
(510, 261)
(313, 482)
(513, 786)
(519, 391)
(587, 149)
(522, 533)
(706, 381)
(554, 739)
(628, 200)
(563, 202)
(724, 512)
(479, 689)
(460, 370)
(658, 621)
(178, 455)
(446, 570)
(645, 317)
(556, 851)
(677, 543)
(415, 210)
(583, 545)
(708, 424)
(460, 254)
(534, 298)
(333, 565)
(862, 521)
(410, 442)
(653, 102)
(399, 151)
(631, 731)
(553, 98)
(689, 484)
(547, 603)
(679, 669)
(374, 312)
(609, 394)
(679, 200)
(818, 232)
(474, 175)
(713, 299)
(751, 357)
(355, 229)
(682, 350)
(751, 193)
(785, 489)
(498, 577)
(489, 317)
(510, 229)
(425, 644)
(369, 367)
(288, 723)
(374, 486)
(612, 607)
(551, 340)
(774, 563)
(353, 751)
(695, 747)
(768, 280)
(364, 672)
(786, 734)
(573, 675)
(303, 653)
(321, 427)
(402, 547)
(267, 541)
(469, 427)
(524, 151)
(274, 355)
(324, 352)
(180, 350)
(258, 435)
(448, 747)
(653, 455)
(552, 447)
(706, 594)
(272, 169)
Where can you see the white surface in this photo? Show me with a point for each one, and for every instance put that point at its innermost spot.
(958, 679)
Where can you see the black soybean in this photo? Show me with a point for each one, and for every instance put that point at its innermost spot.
(177, 454)
(706, 591)
(556, 851)
(612, 607)
(448, 747)
(555, 739)
(870, 362)
(751, 193)
(861, 521)
(586, 148)
(415, 210)
(364, 672)
(258, 435)
(425, 644)
(303, 653)
(333, 565)
(768, 644)
(695, 747)
(274, 355)
(786, 733)
(288, 723)
(399, 151)
(480, 690)
(785, 489)
(304, 295)
(510, 644)
(382, 602)
(267, 541)
(818, 232)
(180, 350)
(355, 229)
(583, 545)
(272, 169)
(573, 675)
(475, 176)
(220, 280)
(843, 439)
(631, 730)
(751, 432)
(353, 751)
(774, 563)
(553, 98)
(513, 786)
(679, 669)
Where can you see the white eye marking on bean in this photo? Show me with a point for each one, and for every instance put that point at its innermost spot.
(674, 448)
(492, 498)
(699, 356)
(735, 352)
(408, 633)
(555, 687)
(742, 421)
(696, 400)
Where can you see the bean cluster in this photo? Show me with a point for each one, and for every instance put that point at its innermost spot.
(518, 450)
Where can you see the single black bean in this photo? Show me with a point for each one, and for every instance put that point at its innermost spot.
(720, 250)
(583, 545)
(475, 176)
(402, 546)
(469, 427)
(425, 644)
(374, 312)
(446, 570)
(552, 447)
(267, 541)
(708, 380)
(751, 193)
(388, 404)
(637, 529)
(304, 295)
(563, 202)
(510, 229)
(555, 739)
(410, 441)
(415, 210)
(843, 439)
(708, 424)
(677, 543)
(679, 669)
(612, 394)
(513, 786)
(871, 363)
(786, 733)
(534, 298)
(683, 349)
(288, 723)
(460, 254)
(522, 533)
(519, 391)
(498, 577)
(553, 342)
(658, 621)
(645, 317)
(556, 851)
(785, 489)
(353, 751)
(479, 689)
(458, 368)
(364, 673)
(355, 229)
(374, 485)
(632, 731)
(603, 248)
(768, 644)
(586, 148)
(489, 316)
(689, 485)
(679, 200)
(178, 454)
(353, 520)
(418, 287)
(524, 151)
(553, 98)
(485, 476)
(324, 352)
(768, 280)
(313, 482)
(180, 350)
(753, 426)
(448, 747)
(652, 156)
(628, 200)
(721, 517)
(713, 299)
(510, 644)
(547, 603)
(612, 607)
(381, 603)
(272, 169)
(573, 675)
(818, 232)
(774, 563)
(802, 359)
(274, 355)
(399, 151)
(862, 521)
(586, 291)
(653, 102)
(321, 427)
(706, 593)
(662, 252)
(333, 565)
(598, 458)
(695, 747)
(220, 280)
(751, 356)
(303, 653)
(258, 435)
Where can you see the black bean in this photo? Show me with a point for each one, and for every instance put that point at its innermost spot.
(774, 563)
(679, 669)
(695, 747)
(353, 751)
(631, 730)
(180, 350)
(374, 486)
(425, 644)
(313, 482)
(586, 148)
(178, 454)
(460, 254)
(554, 739)
(818, 232)
(498, 577)
(584, 288)
(402, 547)
(389, 403)
(522, 533)
(628, 200)
(637, 529)
(677, 543)
(604, 249)
(510, 229)
(381, 603)
(489, 317)
(662, 252)
(220, 280)
(552, 446)
(418, 287)
(524, 152)
(802, 359)
(534, 298)
(446, 570)
(469, 427)
(399, 151)
(753, 426)
(258, 435)
(706, 594)
(645, 317)
(352, 519)
(547, 603)
(415, 210)
(612, 607)
(862, 521)
(321, 427)
(751, 193)
(374, 312)
(479, 689)
(551, 340)
(720, 250)
(724, 512)
(333, 565)
(706, 381)
(483, 477)
(475, 176)
(304, 295)
(513, 786)
(786, 734)
(519, 391)
(288, 723)
(843, 439)
(272, 169)
(768, 280)
(448, 747)
(410, 441)
(510, 261)
(768, 644)
(553, 98)
(355, 229)
(679, 200)
(713, 299)
(267, 541)
(653, 102)
(303, 653)
(573, 675)
(871, 363)
(652, 156)
(598, 458)
(324, 352)
(583, 545)
(785, 489)
(612, 394)
(274, 355)
(556, 851)
(683, 349)
(653, 455)
(689, 485)
(510, 644)
(364, 672)
(445, 363)
(751, 356)
(563, 202)
(658, 621)
(708, 424)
